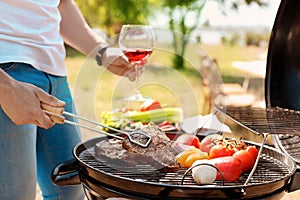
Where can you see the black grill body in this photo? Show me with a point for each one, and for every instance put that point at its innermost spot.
(282, 82)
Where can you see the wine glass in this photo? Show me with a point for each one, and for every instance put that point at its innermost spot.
(136, 42)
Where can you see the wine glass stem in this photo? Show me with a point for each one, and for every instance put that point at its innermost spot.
(136, 68)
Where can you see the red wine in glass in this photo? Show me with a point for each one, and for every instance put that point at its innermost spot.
(138, 56)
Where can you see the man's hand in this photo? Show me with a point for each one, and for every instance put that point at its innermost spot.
(22, 103)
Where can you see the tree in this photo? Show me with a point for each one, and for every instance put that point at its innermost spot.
(110, 15)
(179, 11)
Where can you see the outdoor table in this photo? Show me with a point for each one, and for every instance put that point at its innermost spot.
(253, 69)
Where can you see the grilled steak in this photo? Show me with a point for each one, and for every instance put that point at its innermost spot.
(160, 153)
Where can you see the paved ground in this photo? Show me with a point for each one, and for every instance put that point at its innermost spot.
(292, 196)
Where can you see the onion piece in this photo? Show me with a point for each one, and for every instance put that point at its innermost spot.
(204, 174)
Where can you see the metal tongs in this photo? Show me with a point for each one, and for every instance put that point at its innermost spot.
(56, 116)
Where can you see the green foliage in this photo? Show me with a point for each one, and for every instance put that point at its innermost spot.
(110, 15)
(256, 39)
(231, 40)
(179, 14)
(235, 4)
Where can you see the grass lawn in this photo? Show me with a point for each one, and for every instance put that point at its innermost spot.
(96, 90)
(224, 54)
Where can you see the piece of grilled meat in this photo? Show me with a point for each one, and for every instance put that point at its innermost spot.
(160, 153)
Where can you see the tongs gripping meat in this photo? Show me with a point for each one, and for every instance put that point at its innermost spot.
(56, 116)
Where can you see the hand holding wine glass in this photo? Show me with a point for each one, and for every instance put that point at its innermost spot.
(136, 42)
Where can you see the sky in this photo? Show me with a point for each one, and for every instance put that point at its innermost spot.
(252, 15)
(249, 16)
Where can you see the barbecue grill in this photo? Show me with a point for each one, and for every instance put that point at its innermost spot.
(276, 172)
(102, 180)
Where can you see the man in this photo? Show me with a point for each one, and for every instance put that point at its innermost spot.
(32, 78)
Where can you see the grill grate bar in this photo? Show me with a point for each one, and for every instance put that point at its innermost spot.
(269, 169)
(270, 120)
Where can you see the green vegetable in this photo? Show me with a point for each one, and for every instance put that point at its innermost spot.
(174, 115)
(114, 119)
(119, 119)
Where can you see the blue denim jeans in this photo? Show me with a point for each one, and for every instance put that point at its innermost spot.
(29, 153)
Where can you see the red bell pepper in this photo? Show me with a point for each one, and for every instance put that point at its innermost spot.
(150, 105)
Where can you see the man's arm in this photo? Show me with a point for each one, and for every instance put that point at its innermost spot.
(76, 32)
(22, 102)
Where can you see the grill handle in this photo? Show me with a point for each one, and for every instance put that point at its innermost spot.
(66, 173)
(294, 183)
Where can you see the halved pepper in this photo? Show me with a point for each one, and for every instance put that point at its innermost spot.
(189, 156)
